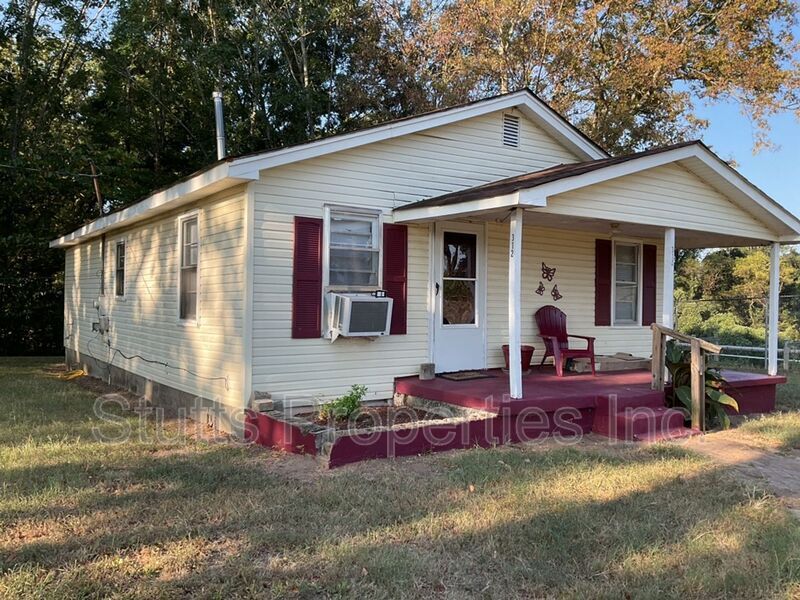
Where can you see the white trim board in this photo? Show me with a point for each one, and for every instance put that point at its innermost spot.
(249, 296)
(235, 171)
(525, 101)
(208, 182)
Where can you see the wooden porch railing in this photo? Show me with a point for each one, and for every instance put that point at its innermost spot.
(698, 368)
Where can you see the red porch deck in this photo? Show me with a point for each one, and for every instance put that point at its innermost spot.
(544, 390)
(617, 405)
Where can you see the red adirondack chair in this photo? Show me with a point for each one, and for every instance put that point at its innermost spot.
(552, 324)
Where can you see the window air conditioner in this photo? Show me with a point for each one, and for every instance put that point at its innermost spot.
(359, 315)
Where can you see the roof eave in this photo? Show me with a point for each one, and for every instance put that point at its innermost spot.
(212, 180)
(247, 168)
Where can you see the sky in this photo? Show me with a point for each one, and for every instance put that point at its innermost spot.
(776, 172)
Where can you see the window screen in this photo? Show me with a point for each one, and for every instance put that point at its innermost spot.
(188, 275)
(119, 271)
(626, 283)
(354, 251)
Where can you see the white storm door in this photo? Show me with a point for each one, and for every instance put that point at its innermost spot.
(459, 287)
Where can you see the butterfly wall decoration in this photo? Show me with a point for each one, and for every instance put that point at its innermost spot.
(548, 272)
(555, 293)
(541, 289)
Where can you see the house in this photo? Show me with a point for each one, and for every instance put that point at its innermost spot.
(217, 287)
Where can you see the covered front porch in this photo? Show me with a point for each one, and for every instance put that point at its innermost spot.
(518, 244)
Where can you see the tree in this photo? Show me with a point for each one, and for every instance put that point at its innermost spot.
(46, 72)
(127, 86)
(627, 71)
(723, 295)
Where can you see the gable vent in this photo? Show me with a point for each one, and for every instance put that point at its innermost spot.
(511, 131)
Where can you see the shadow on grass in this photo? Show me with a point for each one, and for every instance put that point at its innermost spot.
(197, 519)
(514, 532)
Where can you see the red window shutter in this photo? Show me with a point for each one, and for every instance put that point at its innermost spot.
(395, 273)
(307, 278)
(649, 254)
(602, 282)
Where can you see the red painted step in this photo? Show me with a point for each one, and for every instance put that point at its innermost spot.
(612, 403)
(639, 422)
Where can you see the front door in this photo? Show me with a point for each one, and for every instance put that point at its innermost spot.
(459, 280)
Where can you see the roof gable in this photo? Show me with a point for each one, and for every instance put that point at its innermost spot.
(236, 170)
(525, 101)
(534, 189)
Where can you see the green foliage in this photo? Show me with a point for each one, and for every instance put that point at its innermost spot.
(345, 406)
(678, 362)
(722, 295)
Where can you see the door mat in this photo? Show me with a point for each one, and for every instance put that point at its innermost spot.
(465, 375)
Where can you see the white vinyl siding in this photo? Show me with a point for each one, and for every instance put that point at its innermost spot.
(667, 196)
(572, 255)
(81, 290)
(147, 322)
(379, 176)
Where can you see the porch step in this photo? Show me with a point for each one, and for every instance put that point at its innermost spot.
(611, 403)
(637, 423)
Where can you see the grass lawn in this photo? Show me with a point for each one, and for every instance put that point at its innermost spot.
(789, 393)
(186, 517)
(777, 431)
(780, 430)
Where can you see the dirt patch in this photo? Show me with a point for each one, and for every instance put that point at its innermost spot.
(777, 471)
(100, 387)
(301, 468)
(381, 416)
(87, 382)
(174, 425)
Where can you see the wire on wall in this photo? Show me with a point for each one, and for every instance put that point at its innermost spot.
(165, 365)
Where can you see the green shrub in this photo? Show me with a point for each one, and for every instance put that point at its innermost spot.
(679, 366)
(345, 406)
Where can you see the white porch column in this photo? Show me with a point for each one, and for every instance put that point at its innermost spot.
(668, 299)
(774, 307)
(515, 303)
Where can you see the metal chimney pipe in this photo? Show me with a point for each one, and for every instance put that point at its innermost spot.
(217, 96)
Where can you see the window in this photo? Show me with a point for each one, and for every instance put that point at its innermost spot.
(353, 249)
(459, 278)
(119, 271)
(626, 284)
(189, 248)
